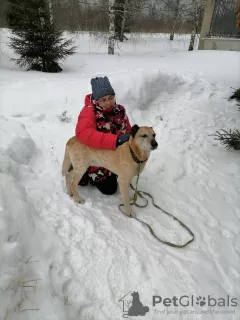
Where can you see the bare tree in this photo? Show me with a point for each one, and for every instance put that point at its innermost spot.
(172, 15)
(123, 20)
(121, 16)
(168, 16)
(175, 18)
(111, 35)
(194, 16)
(119, 8)
(192, 40)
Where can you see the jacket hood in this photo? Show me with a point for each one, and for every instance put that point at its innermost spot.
(88, 100)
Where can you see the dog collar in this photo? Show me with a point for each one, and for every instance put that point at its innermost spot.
(135, 157)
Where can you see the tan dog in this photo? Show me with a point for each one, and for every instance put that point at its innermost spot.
(124, 161)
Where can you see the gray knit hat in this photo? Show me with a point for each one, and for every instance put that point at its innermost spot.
(101, 87)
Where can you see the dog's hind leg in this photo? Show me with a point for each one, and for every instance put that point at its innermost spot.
(66, 163)
(74, 185)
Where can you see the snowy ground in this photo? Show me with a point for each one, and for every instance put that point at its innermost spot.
(69, 261)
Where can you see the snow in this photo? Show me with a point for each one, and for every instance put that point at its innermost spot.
(80, 260)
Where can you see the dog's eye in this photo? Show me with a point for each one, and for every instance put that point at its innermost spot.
(144, 136)
(154, 135)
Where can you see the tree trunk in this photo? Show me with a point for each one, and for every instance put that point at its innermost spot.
(192, 40)
(111, 34)
(172, 35)
(175, 19)
(194, 31)
(123, 20)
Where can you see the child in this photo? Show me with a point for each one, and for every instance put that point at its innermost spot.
(102, 124)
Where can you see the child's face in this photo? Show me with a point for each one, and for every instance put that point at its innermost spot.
(107, 102)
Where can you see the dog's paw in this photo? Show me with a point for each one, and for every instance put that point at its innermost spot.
(130, 214)
(81, 201)
(133, 215)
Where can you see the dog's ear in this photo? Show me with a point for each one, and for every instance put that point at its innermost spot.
(134, 130)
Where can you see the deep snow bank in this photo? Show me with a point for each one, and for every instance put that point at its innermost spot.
(30, 254)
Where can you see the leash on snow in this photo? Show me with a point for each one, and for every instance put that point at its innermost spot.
(134, 202)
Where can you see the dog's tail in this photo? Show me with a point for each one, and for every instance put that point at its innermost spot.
(66, 162)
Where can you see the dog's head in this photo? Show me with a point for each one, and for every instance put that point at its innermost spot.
(144, 137)
(135, 295)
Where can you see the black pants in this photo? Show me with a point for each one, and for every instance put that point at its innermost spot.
(108, 186)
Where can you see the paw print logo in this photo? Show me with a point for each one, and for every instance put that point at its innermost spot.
(201, 301)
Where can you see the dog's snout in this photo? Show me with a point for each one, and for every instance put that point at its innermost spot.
(154, 144)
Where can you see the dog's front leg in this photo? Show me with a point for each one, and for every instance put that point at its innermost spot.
(124, 189)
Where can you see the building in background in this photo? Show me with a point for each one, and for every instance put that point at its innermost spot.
(221, 26)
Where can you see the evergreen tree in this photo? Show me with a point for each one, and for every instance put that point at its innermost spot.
(37, 43)
(230, 139)
(236, 95)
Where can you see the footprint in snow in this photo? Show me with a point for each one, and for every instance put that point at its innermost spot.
(229, 200)
(38, 117)
(213, 223)
(234, 273)
(227, 234)
(237, 211)
(214, 249)
(211, 184)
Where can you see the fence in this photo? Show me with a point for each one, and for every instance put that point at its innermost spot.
(224, 20)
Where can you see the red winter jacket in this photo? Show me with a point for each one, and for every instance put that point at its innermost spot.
(86, 129)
